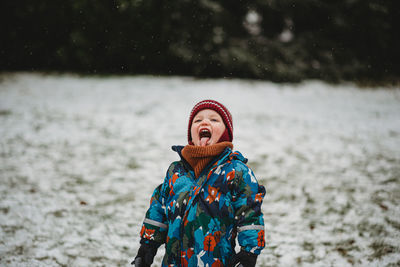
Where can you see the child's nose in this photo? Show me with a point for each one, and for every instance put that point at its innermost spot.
(205, 122)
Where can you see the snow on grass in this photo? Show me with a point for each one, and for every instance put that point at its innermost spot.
(80, 157)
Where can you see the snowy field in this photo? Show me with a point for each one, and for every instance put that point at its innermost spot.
(80, 157)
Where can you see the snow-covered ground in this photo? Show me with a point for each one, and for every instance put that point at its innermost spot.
(80, 157)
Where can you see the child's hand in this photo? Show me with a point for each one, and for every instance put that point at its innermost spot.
(243, 259)
(145, 256)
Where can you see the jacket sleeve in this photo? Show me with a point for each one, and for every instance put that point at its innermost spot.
(155, 226)
(247, 200)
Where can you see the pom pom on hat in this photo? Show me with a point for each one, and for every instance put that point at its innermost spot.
(221, 110)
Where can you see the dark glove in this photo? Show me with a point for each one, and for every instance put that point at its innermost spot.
(243, 259)
(145, 256)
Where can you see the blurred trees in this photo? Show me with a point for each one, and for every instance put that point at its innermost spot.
(278, 40)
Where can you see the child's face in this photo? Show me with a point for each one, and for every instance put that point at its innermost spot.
(207, 128)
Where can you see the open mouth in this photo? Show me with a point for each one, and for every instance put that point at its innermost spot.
(205, 137)
(204, 133)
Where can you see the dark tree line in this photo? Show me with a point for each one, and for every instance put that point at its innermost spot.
(278, 40)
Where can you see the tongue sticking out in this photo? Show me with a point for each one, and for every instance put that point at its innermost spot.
(204, 140)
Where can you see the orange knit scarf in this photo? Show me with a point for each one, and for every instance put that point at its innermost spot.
(199, 156)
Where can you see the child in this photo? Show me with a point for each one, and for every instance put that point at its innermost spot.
(208, 197)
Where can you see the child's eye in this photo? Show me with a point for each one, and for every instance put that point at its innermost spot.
(198, 120)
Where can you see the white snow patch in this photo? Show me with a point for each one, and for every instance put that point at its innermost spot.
(81, 156)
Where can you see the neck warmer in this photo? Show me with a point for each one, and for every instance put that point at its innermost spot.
(199, 156)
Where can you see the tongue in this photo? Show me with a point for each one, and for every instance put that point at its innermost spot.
(203, 141)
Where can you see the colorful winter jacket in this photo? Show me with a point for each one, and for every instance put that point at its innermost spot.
(199, 219)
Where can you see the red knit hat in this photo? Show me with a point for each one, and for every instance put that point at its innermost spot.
(221, 110)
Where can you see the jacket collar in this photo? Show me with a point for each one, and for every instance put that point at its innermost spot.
(178, 149)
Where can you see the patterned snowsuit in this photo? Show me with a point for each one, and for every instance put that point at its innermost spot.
(199, 219)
